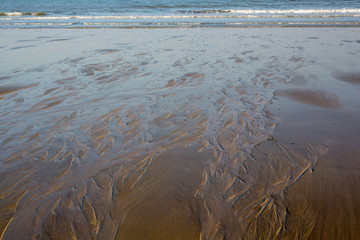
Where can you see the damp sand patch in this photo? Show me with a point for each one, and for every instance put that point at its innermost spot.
(319, 98)
(352, 78)
(14, 88)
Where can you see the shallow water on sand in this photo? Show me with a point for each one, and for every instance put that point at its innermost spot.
(149, 133)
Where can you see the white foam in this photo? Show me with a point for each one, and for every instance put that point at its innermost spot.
(297, 11)
(13, 14)
(230, 13)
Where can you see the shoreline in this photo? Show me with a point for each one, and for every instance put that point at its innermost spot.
(198, 26)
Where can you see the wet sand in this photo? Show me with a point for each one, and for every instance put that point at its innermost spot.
(210, 133)
(323, 140)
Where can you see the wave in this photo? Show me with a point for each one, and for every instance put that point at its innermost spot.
(179, 24)
(179, 17)
(193, 18)
(23, 14)
(277, 11)
(355, 14)
(196, 13)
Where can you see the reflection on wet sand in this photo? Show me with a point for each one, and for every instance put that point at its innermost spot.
(168, 136)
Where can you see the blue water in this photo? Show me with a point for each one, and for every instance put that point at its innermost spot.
(146, 13)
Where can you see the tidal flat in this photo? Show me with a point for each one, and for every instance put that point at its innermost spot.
(180, 133)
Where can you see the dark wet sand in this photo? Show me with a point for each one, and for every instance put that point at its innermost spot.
(323, 202)
(180, 134)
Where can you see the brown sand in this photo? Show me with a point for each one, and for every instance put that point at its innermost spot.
(316, 98)
(353, 78)
(180, 134)
(323, 203)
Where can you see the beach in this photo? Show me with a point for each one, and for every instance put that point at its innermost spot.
(180, 133)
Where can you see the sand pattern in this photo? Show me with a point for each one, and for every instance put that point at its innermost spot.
(154, 133)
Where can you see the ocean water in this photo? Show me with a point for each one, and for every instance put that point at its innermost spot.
(172, 13)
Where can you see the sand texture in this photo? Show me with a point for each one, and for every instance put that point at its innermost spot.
(187, 133)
